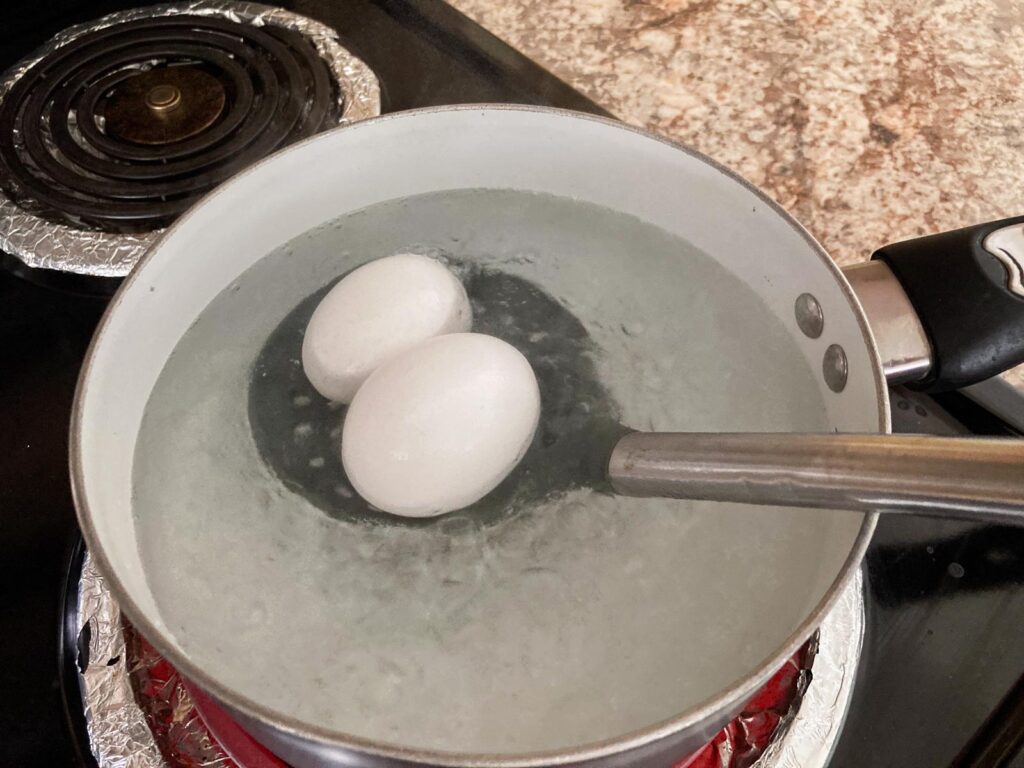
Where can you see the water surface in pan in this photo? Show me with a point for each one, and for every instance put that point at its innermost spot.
(552, 616)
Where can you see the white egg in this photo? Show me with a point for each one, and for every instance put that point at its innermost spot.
(376, 312)
(438, 427)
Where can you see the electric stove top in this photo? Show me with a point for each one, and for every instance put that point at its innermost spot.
(941, 676)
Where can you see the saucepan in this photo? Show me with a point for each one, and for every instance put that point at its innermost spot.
(598, 630)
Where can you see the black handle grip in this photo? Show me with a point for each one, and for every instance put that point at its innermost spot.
(968, 297)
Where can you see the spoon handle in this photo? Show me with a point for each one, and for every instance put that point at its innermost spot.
(960, 477)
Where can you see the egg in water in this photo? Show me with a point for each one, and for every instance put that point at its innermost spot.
(375, 312)
(438, 427)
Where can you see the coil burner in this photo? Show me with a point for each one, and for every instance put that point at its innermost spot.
(125, 127)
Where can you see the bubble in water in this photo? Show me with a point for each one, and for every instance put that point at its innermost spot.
(455, 524)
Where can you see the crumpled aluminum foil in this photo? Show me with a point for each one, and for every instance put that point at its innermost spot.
(118, 732)
(121, 731)
(808, 739)
(48, 245)
(138, 712)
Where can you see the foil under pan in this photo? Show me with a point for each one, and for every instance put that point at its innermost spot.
(43, 244)
(139, 712)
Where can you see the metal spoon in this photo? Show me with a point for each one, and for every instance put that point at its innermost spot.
(966, 478)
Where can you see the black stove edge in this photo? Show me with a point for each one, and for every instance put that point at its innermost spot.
(1000, 738)
(973, 415)
(66, 282)
(71, 648)
(459, 35)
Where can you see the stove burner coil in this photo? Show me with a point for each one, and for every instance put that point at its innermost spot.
(125, 127)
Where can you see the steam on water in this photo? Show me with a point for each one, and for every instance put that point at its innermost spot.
(553, 614)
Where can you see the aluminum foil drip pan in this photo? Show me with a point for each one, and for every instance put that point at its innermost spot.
(48, 226)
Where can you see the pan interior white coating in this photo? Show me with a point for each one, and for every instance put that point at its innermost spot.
(416, 154)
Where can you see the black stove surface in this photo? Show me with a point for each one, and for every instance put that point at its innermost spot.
(43, 337)
(940, 681)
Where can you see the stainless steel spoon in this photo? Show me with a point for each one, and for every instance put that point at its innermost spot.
(966, 478)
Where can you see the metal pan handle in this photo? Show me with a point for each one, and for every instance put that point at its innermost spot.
(947, 310)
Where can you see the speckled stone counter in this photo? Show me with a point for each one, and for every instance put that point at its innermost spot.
(870, 120)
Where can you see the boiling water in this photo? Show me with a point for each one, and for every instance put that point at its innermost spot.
(572, 616)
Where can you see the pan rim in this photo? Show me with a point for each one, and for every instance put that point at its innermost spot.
(727, 700)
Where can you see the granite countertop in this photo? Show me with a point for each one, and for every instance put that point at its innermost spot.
(870, 120)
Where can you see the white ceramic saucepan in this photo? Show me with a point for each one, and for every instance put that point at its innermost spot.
(760, 582)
